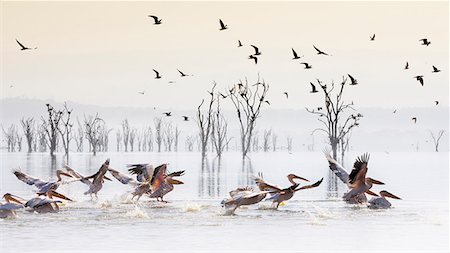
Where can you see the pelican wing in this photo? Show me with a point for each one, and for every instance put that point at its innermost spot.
(176, 174)
(77, 175)
(143, 171)
(124, 179)
(37, 202)
(338, 169)
(30, 180)
(310, 186)
(358, 174)
(159, 175)
(240, 192)
(10, 206)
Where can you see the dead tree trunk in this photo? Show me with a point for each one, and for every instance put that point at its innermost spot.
(436, 139)
(219, 129)
(204, 121)
(125, 134)
(158, 132)
(51, 127)
(93, 126)
(28, 131)
(65, 130)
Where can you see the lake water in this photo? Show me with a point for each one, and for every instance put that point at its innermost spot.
(315, 220)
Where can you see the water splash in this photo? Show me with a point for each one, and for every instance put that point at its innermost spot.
(191, 207)
(136, 213)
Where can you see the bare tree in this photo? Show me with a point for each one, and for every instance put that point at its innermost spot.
(28, 131)
(118, 140)
(266, 140)
(132, 138)
(189, 143)
(248, 101)
(93, 126)
(274, 141)
(149, 138)
(177, 136)
(158, 132)
(50, 126)
(169, 137)
(104, 138)
(125, 133)
(436, 139)
(335, 123)
(140, 139)
(289, 143)
(65, 130)
(219, 129)
(78, 136)
(18, 140)
(42, 137)
(255, 141)
(204, 120)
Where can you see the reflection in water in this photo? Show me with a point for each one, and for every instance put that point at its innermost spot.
(210, 179)
(332, 187)
(245, 177)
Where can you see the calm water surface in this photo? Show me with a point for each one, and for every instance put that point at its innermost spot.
(314, 220)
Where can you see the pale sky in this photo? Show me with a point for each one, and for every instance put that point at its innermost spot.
(103, 53)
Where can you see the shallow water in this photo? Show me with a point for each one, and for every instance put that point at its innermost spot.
(193, 220)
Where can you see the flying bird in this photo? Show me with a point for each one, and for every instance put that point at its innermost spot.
(185, 118)
(168, 114)
(172, 82)
(314, 90)
(267, 102)
(407, 65)
(254, 58)
(257, 52)
(239, 43)
(414, 119)
(435, 70)
(425, 42)
(157, 20)
(223, 96)
(372, 38)
(353, 80)
(222, 25)
(141, 92)
(295, 55)
(394, 111)
(181, 73)
(420, 79)
(307, 66)
(319, 51)
(436, 102)
(24, 47)
(157, 74)
(287, 95)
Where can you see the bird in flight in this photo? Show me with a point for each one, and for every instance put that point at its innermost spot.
(185, 118)
(168, 114)
(435, 70)
(353, 80)
(295, 55)
(257, 52)
(24, 47)
(436, 102)
(407, 66)
(414, 119)
(157, 74)
(222, 25)
(254, 58)
(267, 102)
(425, 42)
(172, 82)
(157, 20)
(141, 92)
(11, 86)
(372, 38)
(394, 111)
(314, 90)
(420, 79)
(239, 43)
(285, 93)
(181, 73)
(307, 66)
(319, 51)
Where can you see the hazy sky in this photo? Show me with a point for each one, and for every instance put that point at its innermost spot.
(103, 53)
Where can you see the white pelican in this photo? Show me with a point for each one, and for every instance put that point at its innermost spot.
(381, 202)
(9, 209)
(43, 205)
(243, 197)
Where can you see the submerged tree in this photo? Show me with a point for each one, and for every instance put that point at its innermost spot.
(93, 128)
(65, 130)
(436, 139)
(219, 129)
(125, 133)
(336, 123)
(51, 127)
(248, 101)
(158, 132)
(204, 121)
(78, 136)
(10, 135)
(28, 131)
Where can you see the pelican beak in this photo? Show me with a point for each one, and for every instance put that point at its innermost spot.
(10, 197)
(372, 193)
(301, 178)
(373, 181)
(388, 194)
(174, 181)
(58, 195)
(65, 174)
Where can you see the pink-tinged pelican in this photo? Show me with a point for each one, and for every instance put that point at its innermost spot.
(381, 202)
(243, 197)
(356, 181)
(9, 208)
(163, 183)
(45, 188)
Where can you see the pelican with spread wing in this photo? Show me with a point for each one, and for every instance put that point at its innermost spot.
(163, 182)
(9, 208)
(243, 196)
(381, 202)
(356, 181)
(140, 187)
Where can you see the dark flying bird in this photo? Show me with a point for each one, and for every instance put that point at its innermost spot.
(223, 96)
(157, 20)
(222, 25)
(168, 114)
(181, 73)
(141, 92)
(314, 90)
(267, 102)
(372, 38)
(254, 58)
(239, 43)
(394, 111)
(436, 102)
(172, 82)
(287, 95)
(318, 51)
(157, 74)
(24, 47)
(185, 118)
(295, 55)
(420, 79)
(353, 80)
(407, 65)
(435, 70)
(414, 119)
(425, 42)
(307, 66)
(257, 52)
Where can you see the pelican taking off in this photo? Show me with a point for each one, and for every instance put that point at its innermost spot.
(381, 202)
(243, 197)
(43, 205)
(162, 183)
(9, 209)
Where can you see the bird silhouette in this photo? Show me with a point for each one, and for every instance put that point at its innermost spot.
(319, 108)
(172, 82)
(436, 102)
(141, 92)
(319, 51)
(157, 20)
(223, 96)
(11, 86)
(254, 58)
(168, 114)
(394, 111)
(257, 52)
(407, 65)
(239, 43)
(313, 87)
(222, 25)
(295, 55)
(420, 79)
(435, 70)
(307, 66)
(353, 80)
(285, 93)
(414, 119)
(157, 74)
(267, 102)
(425, 42)
(181, 73)
(372, 38)
(185, 118)
(24, 47)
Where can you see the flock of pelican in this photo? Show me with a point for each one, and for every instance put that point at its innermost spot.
(157, 182)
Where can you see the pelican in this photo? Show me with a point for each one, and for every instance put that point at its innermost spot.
(143, 171)
(141, 187)
(97, 179)
(162, 183)
(46, 188)
(43, 205)
(356, 181)
(9, 209)
(381, 202)
(281, 195)
(243, 197)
